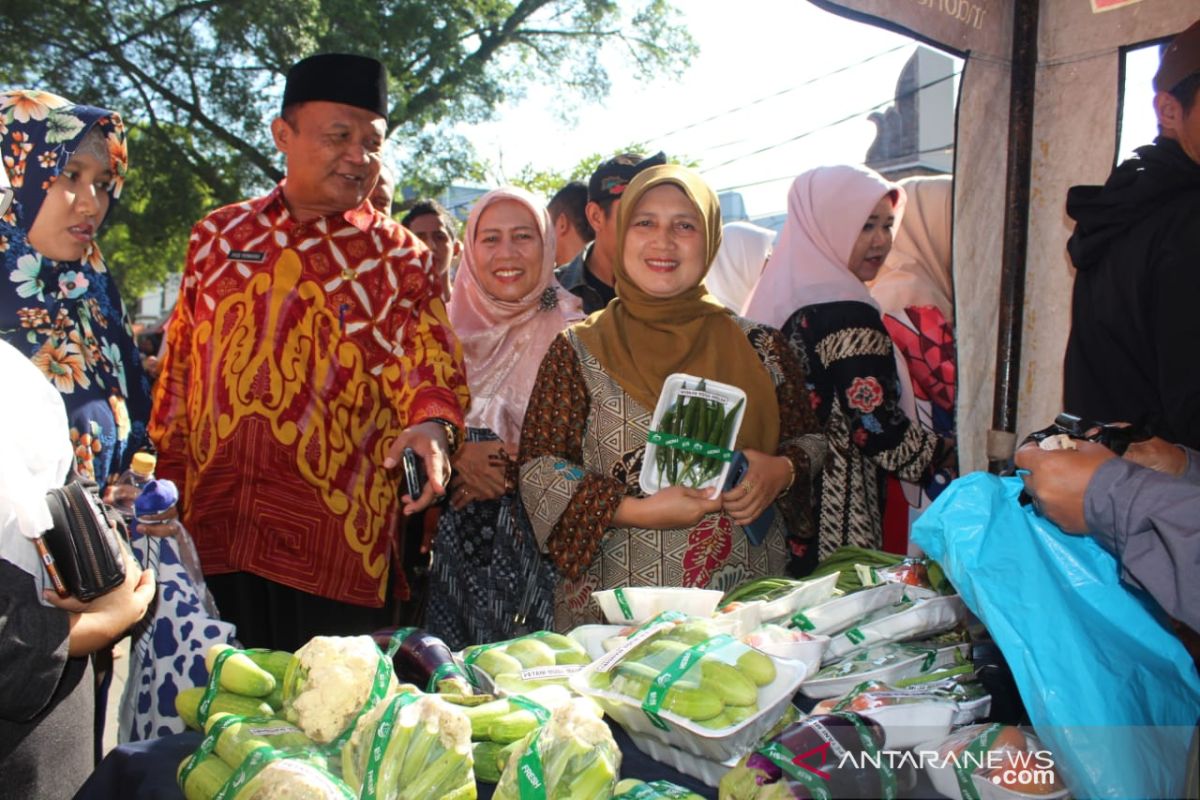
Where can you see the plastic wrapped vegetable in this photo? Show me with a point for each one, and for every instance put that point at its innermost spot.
(785, 766)
(265, 774)
(331, 681)
(572, 757)
(520, 664)
(510, 719)
(632, 789)
(421, 658)
(413, 747)
(711, 679)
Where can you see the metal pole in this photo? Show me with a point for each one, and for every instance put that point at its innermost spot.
(1016, 232)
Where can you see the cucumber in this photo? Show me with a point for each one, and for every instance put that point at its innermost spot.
(187, 704)
(728, 682)
(239, 674)
(756, 666)
(275, 662)
(206, 778)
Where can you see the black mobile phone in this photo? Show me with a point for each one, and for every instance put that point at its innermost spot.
(756, 531)
(414, 473)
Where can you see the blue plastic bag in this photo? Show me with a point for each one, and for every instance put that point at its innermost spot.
(1108, 686)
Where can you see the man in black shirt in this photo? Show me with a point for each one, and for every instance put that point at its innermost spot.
(590, 275)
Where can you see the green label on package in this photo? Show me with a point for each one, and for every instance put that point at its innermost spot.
(802, 622)
(379, 690)
(397, 639)
(442, 672)
(214, 686)
(379, 743)
(531, 781)
(660, 687)
(855, 636)
(811, 778)
(974, 753)
(677, 442)
(537, 709)
(623, 603)
(655, 790)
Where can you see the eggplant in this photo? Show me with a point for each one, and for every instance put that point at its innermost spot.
(423, 659)
(757, 777)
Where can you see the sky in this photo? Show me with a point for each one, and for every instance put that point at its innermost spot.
(778, 76)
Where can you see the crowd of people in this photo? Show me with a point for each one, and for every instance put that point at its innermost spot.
(317, 345)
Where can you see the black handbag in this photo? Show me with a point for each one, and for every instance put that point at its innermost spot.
(86, 546)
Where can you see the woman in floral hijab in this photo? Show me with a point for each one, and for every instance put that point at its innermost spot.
(58, 302)
(61, 308)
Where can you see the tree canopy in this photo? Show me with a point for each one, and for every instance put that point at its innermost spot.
(198, 81)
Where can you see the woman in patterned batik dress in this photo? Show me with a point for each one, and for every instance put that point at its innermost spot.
(585, 430)
(837, 234)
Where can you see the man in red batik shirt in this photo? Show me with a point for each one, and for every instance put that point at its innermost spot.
(308, 348)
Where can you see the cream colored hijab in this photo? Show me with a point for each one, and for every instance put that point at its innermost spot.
(744, 251)
(640, 339)
(504, 341)
(917, 271)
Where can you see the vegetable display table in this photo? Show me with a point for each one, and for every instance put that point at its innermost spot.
(146, 770)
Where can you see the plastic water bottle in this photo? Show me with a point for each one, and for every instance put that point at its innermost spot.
(131, 483)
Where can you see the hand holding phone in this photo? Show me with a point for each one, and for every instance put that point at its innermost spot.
(757, 529)
(414, 473)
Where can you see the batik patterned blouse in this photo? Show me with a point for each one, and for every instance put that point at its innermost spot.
(582, 447)
(295, 356)
(854, 387)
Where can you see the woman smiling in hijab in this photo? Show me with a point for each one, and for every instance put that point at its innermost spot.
(837, 234)
(487, 576)
(585, 430)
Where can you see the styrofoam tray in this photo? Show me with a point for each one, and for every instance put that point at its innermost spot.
(809, 652)
(903, 668)
(646, 602)
(945, 781)
(970, 711)
(925, 617)
(838, 613)
(908, 725)
(726, 394)
(593, 637)
(702, 769)
(720, 744)
(740, 621)
(809, 594)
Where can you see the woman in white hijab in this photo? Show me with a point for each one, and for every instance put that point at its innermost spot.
(837, 234)
(745, 248)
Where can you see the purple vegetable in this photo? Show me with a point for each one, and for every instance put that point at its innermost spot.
(422, 659)
(759, 777)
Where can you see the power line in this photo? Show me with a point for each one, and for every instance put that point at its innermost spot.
(780, 93)
(790, 176)
(835, 123)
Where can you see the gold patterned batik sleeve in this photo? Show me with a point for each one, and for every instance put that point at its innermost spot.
(569, 508)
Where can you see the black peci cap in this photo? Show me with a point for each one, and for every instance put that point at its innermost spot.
(611, 177)
(338, 78)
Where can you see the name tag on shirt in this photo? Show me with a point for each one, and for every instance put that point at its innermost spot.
(247, 255)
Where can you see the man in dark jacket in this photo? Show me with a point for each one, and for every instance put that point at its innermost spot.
(1134, 349)
(589, 276)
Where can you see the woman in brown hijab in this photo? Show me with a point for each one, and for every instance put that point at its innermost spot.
(584, 435)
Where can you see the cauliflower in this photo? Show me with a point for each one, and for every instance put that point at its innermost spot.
(333, 679)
